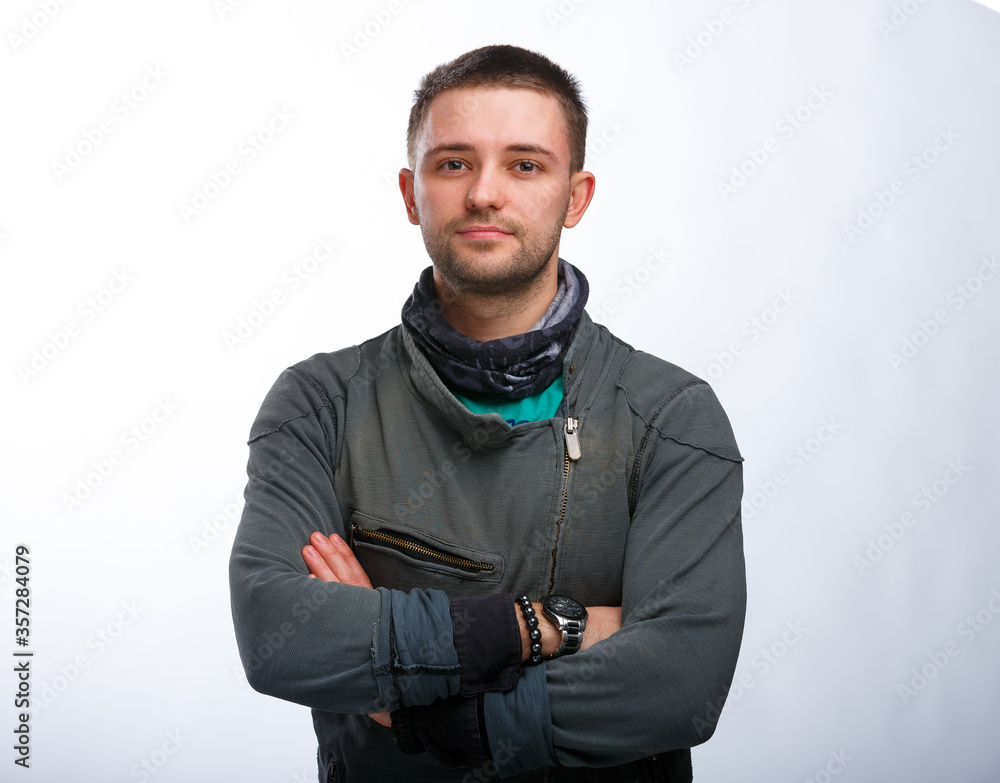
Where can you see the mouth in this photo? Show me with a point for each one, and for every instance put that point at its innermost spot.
(483, 232)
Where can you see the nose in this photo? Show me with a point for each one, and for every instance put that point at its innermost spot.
(486, 190)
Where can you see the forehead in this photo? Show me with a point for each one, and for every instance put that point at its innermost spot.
(491, 118)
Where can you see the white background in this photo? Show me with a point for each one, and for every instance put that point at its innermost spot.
(856, 579)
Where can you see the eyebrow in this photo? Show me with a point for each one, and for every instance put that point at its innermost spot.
(534, 149)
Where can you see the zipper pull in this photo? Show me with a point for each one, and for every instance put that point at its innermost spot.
(572, 439)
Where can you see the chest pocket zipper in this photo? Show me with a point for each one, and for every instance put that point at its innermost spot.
(416, 549)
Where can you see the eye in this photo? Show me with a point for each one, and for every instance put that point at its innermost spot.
(452, 165)
(527, 166)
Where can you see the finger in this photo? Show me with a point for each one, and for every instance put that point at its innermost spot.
(340, 559)
(355, 572)
(381, 718)
(317, 565)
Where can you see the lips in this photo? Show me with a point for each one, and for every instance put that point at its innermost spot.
(483, 232)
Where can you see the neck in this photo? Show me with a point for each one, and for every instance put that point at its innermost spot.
(492, 317)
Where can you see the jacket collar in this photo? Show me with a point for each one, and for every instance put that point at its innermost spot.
(490, 428)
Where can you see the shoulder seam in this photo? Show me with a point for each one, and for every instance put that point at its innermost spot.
(311, 412)
(650, 425)
(327, 404)
(315, 386)
(693, 382)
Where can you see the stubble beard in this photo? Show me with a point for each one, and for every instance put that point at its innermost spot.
(472, 274)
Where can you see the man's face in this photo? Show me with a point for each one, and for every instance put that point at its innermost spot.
(491, 188)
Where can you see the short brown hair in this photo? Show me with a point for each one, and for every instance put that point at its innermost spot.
(511, 67)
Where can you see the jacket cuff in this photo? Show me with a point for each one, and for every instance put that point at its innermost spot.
(452, 731)
(488, 642)
(414, 660)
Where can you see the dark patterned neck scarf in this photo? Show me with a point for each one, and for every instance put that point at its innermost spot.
(511, 368)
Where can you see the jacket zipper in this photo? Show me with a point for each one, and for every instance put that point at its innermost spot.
(382, 537)
(572, 454)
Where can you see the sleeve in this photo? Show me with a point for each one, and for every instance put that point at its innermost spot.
(330, 646)
(656, 684)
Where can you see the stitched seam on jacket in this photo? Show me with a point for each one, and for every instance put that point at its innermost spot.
(652, 420)
(315, 386)
(719, 454)
(357, 353)
(281, 424)
(326, 404)
(676, 393)
(633, 481)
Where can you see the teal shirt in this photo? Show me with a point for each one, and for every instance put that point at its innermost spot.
(538, 407)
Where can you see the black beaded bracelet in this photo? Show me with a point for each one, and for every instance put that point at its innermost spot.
(534, 635)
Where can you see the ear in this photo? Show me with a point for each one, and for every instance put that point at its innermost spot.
(581, 191)
(406, 188)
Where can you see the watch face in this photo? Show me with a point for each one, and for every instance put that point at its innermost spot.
(564, 607)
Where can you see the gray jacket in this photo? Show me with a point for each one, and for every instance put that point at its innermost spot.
(441, 503)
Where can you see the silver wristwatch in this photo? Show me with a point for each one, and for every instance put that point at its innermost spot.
(571, 617)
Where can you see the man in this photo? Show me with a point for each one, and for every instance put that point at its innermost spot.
(414, 503)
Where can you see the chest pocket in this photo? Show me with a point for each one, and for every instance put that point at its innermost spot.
(403, 559)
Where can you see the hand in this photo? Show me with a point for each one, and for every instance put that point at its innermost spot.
(602, 621)
(331, 560)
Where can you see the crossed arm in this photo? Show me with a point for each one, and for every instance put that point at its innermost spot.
(330, 559)
(363, 650)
